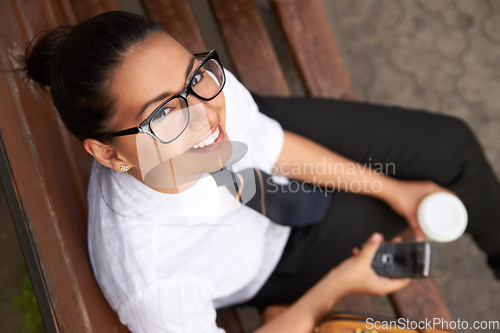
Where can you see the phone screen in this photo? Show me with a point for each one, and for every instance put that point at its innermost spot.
(406, 259)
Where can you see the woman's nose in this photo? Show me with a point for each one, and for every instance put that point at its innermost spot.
(202, 114)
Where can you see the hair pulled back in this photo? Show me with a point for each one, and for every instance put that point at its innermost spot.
(77, 63)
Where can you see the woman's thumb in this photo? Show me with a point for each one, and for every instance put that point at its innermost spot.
(371, 246)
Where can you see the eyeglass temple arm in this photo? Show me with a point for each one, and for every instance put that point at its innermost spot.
(129, 131)
(202, 54)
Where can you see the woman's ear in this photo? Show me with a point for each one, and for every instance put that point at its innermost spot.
(104, 154)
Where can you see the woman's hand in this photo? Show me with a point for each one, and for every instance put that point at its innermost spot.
(404, 197)
(356, 275)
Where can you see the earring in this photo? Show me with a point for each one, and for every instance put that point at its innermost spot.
(124, 167)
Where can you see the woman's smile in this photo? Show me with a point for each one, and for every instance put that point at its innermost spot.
(210, 142)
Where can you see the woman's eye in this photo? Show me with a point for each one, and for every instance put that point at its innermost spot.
(196, 79)
(163, 113)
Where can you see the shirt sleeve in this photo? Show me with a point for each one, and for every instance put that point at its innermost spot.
(175, 305)
(244, 122)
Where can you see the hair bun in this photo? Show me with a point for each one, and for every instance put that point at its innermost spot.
(41, 51)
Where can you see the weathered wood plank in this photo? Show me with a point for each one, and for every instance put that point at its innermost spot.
(42, 184)
(313, 45)
(178, 20)
(250, 47)
(356, 303)
(89, 8)
(421, 300)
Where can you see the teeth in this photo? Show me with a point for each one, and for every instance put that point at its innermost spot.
(208, 141)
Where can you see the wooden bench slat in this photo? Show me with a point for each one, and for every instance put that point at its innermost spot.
(250, 47)
(58, 12)
(177, 18)
(308, 33)
(48, 186)
(22, 111)
(351, 303)
(420, 300)
(357, 303)
(88, 8)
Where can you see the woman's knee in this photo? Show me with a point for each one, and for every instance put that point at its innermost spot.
(449, 140)
(453, 148)
(457, 131)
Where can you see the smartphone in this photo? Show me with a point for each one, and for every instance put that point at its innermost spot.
(404, 259)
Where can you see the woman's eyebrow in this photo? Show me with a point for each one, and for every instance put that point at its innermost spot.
(166, 94)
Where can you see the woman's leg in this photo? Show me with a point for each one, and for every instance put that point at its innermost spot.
(409, 145)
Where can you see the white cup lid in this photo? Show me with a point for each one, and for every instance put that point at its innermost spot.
(442, 217)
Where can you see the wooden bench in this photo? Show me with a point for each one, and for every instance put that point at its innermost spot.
(45, 171)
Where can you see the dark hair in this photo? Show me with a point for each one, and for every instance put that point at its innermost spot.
(77, 63)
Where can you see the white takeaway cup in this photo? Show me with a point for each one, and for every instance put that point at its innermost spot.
(442, 217)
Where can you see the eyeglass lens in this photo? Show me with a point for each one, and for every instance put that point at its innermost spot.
(207, 81)
(169, 122)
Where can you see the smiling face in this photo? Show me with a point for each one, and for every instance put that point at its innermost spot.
(150, 73)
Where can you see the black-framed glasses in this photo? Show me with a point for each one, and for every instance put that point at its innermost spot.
(170, 119)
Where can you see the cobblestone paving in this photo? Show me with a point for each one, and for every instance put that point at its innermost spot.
(443, 56)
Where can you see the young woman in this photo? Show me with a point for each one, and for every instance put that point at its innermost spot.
(174, 227)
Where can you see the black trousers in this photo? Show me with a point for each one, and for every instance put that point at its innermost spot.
(418, 145)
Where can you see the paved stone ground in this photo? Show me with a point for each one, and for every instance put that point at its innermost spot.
(440, 55)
